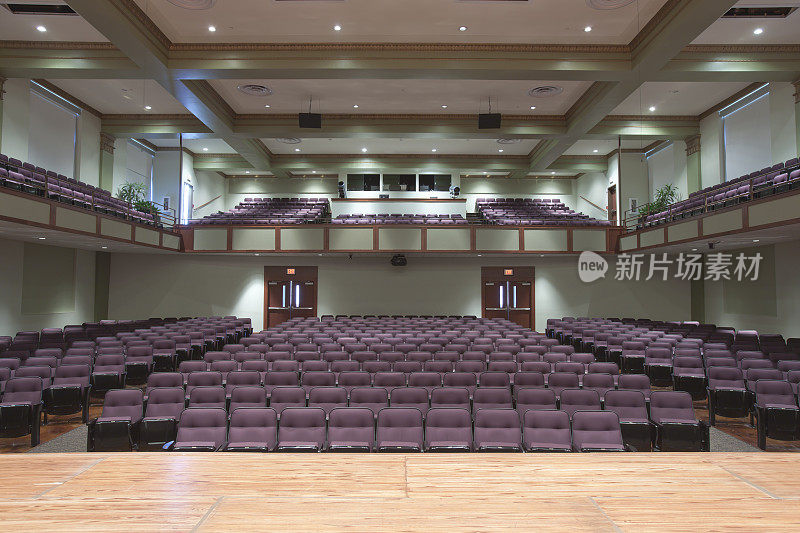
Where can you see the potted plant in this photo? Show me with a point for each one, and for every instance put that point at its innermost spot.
(134, 194)
(662, 199)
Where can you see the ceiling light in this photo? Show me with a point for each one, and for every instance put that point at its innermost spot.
(247, 172)
(694, 249)
(267, 106)
(104, 247)
(595, 150)
(587, 29)
(42, 238)
(757, 31)
(205, 149)
(337, 28)
(434, 149)
(500, 150)
(355, 106)
(297, 149)
(553, 173)
(652, 108)
(462, 28)
(41, 29)
(212, 28)
(256, 255)
(444, 106)
(148, 108)
(533, 107)
(364, 150)
(313, 171)
(755, 240)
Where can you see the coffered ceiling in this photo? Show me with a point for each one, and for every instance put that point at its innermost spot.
(382, 81)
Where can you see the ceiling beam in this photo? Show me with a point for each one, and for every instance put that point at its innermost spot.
(407, 126)
(733, 62)
(135, 35)
(674, 27)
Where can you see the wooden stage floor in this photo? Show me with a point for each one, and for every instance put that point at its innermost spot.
(425, 492)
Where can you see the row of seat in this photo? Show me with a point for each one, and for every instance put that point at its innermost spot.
(167, 424)
(29, 178)
(777, 178)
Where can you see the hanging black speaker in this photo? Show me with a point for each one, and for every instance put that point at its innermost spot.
(489, 121)
(310, 120)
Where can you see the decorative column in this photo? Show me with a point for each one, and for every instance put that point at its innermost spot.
(107, 161)
(693, 164)
(797, 113)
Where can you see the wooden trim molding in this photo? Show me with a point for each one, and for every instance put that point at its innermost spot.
(692, 145)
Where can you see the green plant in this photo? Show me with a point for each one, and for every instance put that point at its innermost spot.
(131, 192)
(663, 198)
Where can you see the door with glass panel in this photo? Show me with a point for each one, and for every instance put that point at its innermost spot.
(508, 293)
(291, 292)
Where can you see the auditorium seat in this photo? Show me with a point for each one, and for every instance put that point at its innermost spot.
(351, 429)
(448, 430)
(776, 411)
(677, 427)
(160, 422)
(399, 429)
(727, 393)
(370, 398)
(631, 408)
(596, 431)
(21, 407)
(252, 429)
(117, 426)
(200, 430)
(69, 392)
(545, 430)
(497, 430)
(301, 429)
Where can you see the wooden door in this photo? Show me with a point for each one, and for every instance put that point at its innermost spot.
(612, 203)
(508, 292)
(289, 292)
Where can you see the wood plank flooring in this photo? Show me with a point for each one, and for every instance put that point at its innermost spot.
(424, 492)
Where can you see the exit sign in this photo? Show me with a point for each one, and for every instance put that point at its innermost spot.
(290, 272)
(508, 272)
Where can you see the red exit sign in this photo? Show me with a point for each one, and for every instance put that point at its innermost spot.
(290, 272)
(508, 272)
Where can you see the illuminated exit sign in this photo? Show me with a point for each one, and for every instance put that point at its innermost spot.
(290, 272)
(508, 272)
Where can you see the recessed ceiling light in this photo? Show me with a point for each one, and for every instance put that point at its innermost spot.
(444, 106)
(500, 150)
(42, 238)
(758, 31)
(297, 149)
(256, 255)
(652, 108)
(337, 28)
(41, 29)
(755, 240)
(104, 247)
(247, 172)
(485, 173)
(313, 171)
(552, 173)
(587, 29)
(694, 249)
(148, 108)
(533, 107)
(595, 150)
(205, 149)
(462, 28)
(480, 255)
(267, 106)
(355, 106)
(363, 149)
(212, 28)
(433, 149)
